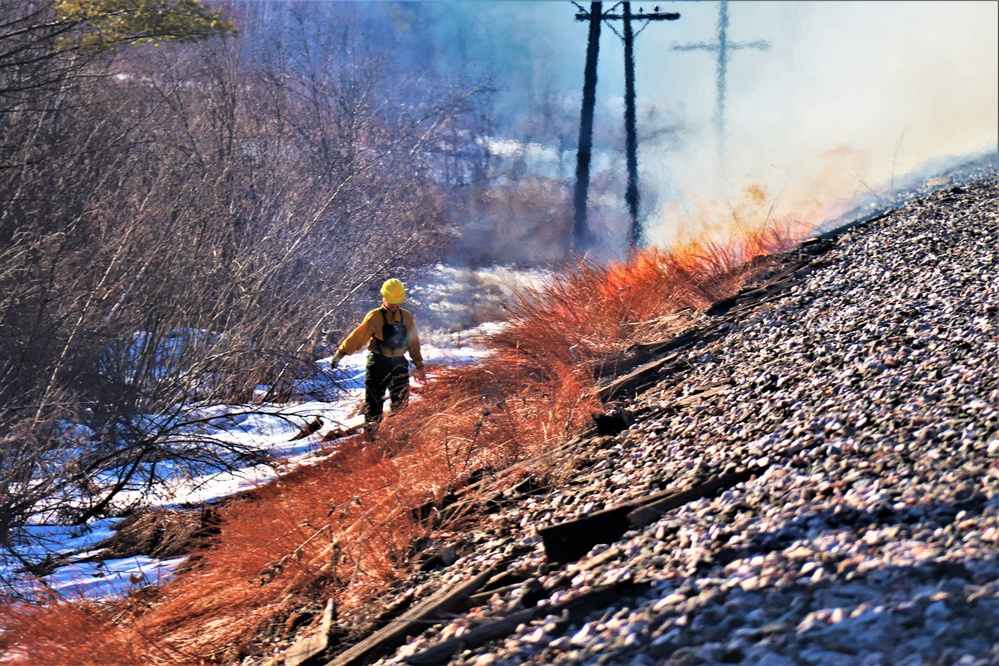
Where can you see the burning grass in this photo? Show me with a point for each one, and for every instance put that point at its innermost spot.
(345, 528)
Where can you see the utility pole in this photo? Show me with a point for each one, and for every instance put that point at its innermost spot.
(595, 16)
(722, 46)
(630, 131)
(585, 147)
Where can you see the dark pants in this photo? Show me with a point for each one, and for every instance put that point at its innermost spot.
(385, 373)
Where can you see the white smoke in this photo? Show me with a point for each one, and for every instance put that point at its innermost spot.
(849, 98)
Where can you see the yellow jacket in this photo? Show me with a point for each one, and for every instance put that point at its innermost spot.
(370, 332)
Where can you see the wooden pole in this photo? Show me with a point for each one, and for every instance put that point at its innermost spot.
(585, 149)
(631, 133)
(595, 16)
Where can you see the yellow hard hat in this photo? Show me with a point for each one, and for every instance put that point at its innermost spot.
(393, 292)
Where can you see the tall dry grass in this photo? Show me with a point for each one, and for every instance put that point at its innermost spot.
(345, 527)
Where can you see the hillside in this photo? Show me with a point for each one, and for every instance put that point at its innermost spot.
(850, 410)
(798, 472)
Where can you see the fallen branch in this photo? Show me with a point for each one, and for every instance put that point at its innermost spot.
(570, 540)
(413, 621)
(640, 377)
(506, 625)
(311, 645)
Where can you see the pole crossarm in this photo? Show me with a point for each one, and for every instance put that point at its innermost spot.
(584, 15)
(760, 44)
(608, 16)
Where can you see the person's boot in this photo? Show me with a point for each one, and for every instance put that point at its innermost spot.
(370, 431)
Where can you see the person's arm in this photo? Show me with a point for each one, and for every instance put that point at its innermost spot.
(414, 349)
(357, 339)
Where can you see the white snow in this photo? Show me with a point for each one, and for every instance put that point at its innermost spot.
(451, 335)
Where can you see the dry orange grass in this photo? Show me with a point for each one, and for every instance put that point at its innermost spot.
(60, 632)
(490, 416)
(339, 527)
(344, 528)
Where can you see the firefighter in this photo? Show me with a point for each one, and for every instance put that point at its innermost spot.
(389, 331)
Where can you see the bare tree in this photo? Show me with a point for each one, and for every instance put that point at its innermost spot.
(180, 227)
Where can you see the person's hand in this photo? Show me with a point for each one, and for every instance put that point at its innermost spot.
(335, 363)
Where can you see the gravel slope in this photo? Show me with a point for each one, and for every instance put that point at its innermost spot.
(869, 393)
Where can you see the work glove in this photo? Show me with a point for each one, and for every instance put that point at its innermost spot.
(335, 363)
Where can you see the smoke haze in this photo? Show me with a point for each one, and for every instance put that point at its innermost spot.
(845, 99)
(848, 97)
